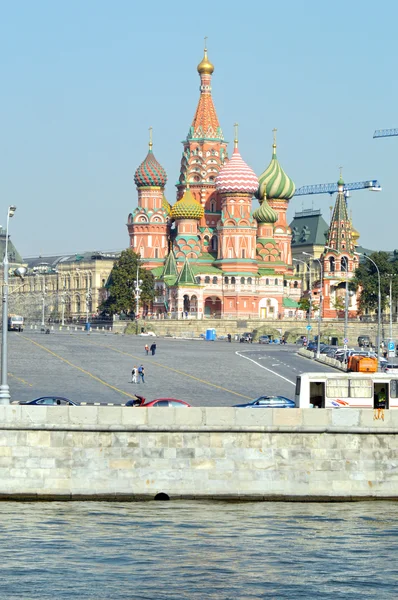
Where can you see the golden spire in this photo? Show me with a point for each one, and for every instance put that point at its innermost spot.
(236, 125)
(150, 139)
(205, 66)
(274, 144)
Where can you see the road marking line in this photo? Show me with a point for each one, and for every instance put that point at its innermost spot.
(112, 387)
(219, 387)
(262, 367)
(20, 379)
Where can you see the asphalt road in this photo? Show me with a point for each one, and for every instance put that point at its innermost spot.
(96, 367)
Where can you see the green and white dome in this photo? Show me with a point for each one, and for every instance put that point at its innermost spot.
(274, 183)
(265, 213)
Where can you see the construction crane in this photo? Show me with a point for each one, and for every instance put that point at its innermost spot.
(331, 188)
(385, 133)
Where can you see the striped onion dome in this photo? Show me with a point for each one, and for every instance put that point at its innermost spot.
(187, 207)
(150, 173)
(265, 213)
(274, 183)
(236, 176)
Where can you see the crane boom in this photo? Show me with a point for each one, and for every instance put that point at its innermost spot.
(385, 133)
(331, 188)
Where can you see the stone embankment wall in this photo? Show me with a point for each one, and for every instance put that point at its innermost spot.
(136, 453)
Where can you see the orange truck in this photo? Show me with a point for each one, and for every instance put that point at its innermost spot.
(362, 364)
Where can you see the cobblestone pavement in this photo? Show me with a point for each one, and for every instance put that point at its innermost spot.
(96, 367)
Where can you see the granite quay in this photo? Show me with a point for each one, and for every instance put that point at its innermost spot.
(126, 453)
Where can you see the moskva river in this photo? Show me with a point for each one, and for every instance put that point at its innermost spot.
(198, 550)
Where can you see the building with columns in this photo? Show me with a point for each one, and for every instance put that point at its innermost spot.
(215, 251)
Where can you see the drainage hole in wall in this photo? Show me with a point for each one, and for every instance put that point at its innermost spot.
(162, 496)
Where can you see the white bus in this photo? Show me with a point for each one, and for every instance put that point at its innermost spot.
(15, 323)
(346, 390)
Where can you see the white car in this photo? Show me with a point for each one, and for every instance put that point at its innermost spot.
(390, 368)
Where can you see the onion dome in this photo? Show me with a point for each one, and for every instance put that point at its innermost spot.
(187, 207)
(150, 173)
(166, 205)
(265, 213)
(236, 175)
(274, 183)
(205, 66)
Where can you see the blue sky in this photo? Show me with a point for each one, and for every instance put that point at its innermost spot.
(83, 81)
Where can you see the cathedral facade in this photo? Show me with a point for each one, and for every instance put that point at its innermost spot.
(212, 252)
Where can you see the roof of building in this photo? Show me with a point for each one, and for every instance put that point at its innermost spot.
(273, 182)
(186, 276)
(150, 173)
(236, 175)
(53, 261)
(13, 255)
(187, 207)
(265, 213)
(309, 228)
(289, 303)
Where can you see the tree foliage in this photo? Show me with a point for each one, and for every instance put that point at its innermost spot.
(366, 277)
(121, 285)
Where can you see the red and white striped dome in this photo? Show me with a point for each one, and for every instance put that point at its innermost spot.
(236, 176)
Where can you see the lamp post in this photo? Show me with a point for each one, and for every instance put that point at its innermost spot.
(88, 298)
(378, 306)
(318, 344)
(4, 388)
(310, 289)
(137, 292)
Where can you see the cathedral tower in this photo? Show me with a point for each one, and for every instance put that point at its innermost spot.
(148, 224)
(236, 183)
(204, 150)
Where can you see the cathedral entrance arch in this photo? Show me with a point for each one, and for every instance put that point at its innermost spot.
(213, 306)
(268, 308)
(186, 303)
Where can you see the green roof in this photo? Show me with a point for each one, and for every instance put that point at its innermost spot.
(266, 272)
(289, 303)
(170, 266)
(186, 276)
(206, 270)
(309, 228)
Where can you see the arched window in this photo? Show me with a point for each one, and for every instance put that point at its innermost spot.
(295, 284)
(249, 280)
(212, 203)
(284, 283)
(207, 279)
(331, 264)
(267, 282)
(197, 279)
(226, 280)
(276, 282)
(344, 264)
(214, 243)
(215, 280)
(242, 280)
(233, 280)
(156, 253)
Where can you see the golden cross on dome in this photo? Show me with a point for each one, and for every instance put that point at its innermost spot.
(150, 138)
(274, 132)
(205, 43)
(236, 125)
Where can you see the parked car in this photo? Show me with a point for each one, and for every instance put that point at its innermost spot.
(325, 349)
(364, 341)
(390, 368)
(246, 337)
(268, 402)
(313, 346)
(264, 339)
(51, 401)
(158, 402)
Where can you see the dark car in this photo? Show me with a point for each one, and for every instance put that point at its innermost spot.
(313, 346)
(268, 402)
(51, 401)
(264, 339)
(246, 337)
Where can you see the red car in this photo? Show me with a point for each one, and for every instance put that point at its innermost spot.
(159, 402)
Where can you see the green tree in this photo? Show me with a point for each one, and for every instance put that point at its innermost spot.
(121, 286)
(339, 303)
(304, 304)
(366, 278)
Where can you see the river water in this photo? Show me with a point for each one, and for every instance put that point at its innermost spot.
(198, 550)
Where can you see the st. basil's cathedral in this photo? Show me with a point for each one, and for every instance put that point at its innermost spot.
(212, 252)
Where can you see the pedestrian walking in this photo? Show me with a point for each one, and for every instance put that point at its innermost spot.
(141, 373)
(146, 349)
(229, 337)
(153, 349)
(134, 374)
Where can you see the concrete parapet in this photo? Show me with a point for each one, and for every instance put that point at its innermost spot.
(119, 453)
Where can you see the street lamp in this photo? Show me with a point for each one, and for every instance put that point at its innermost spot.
(4, 388)
(390, 275)
(137, 291)
(378, 306)
(318, 344)
(88, 298)
(310, 289)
